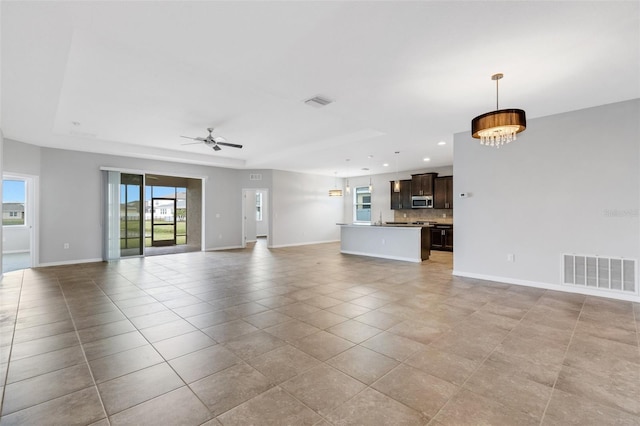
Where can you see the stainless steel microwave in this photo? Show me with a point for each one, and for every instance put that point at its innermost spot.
(422, 202)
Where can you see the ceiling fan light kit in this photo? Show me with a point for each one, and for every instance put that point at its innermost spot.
(498, 127)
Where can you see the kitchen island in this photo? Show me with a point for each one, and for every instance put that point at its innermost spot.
(410, 243)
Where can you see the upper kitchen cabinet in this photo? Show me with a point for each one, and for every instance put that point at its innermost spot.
(422, 184)
(443, 192)
(401, 200)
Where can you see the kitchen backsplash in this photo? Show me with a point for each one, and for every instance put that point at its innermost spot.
(416, 215)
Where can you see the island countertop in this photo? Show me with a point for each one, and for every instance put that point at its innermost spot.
(406, 242)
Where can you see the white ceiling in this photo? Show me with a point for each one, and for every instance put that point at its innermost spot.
(134, 76)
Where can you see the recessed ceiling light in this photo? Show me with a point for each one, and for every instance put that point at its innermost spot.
(385, 165)
(442, 143)
(426, 159)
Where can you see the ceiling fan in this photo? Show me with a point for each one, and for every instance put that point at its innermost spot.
(211, 141)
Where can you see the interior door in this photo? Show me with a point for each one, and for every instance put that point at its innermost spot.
(163, 222)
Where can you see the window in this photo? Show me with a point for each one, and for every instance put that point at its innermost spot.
(259, 206)
(14, 194)
(362, 204)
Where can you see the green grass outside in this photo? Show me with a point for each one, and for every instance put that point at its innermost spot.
(161, 233)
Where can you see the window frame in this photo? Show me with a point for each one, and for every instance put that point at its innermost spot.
(357, 191)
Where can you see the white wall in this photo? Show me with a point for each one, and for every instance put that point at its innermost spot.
(569, 184)
(71, 198)
(302, 211)
(21, 158)
(299, 208)
(15, 239)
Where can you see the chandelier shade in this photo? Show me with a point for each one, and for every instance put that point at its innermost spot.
(498, 127)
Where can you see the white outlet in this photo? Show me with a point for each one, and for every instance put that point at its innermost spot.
(383, 241)
(511, 257)
(65, 246)
(444, 215)
(404, 215)
(217, 215)
(219, 236)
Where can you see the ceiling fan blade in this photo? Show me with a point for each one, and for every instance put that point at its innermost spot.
(219, 139)
(216, 148)
(232, 145)
(195, 139)
(191, 143)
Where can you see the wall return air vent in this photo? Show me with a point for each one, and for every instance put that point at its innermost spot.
(603, 273)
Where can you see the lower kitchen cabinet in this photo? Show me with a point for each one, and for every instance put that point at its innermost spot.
(442, 237)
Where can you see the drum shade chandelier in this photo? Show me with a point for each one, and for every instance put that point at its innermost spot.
(498, 127)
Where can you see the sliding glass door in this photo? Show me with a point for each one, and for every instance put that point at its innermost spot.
(131, 215)
(124, 215)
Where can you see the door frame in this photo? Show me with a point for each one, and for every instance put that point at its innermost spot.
(163, 243)
(244, 214)
(32, 186)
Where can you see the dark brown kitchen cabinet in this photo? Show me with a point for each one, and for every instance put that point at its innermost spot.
(443, 192)
(442, 237)
(401, 200)
(422, 184)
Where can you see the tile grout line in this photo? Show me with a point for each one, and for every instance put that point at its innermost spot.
(154, 348)
(325, 363)
(461, 387)
(187, 385)
(13, 335)
(555, 382)
(84, 354)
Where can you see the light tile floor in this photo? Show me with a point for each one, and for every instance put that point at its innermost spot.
(305, 336)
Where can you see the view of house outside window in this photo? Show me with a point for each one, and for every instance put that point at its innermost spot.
(362, 204)
(14, 193)
(163, 212)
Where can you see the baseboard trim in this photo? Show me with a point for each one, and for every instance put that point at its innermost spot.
(548, 286)
(380, 256)
(69, 262)
(222, 248)
(304, 244)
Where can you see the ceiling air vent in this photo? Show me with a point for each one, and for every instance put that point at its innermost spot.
(318, 101)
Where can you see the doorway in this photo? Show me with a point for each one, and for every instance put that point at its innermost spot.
(163, 222)
(173, 214)
(19, 222)
(255, 215)
(146, 215)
